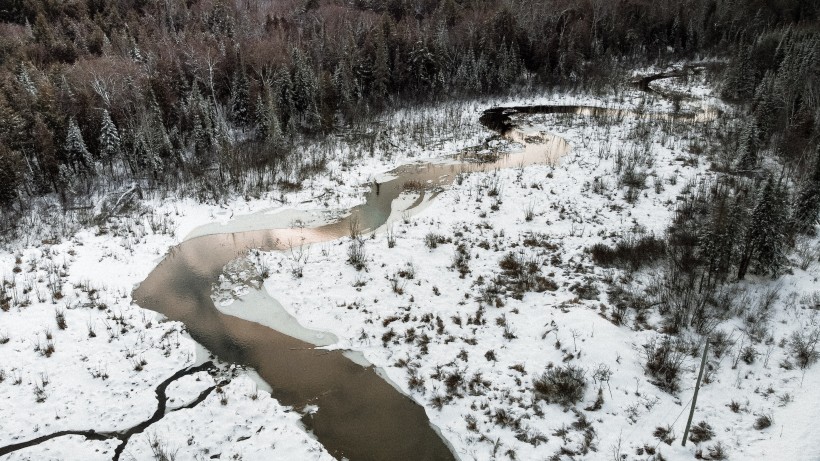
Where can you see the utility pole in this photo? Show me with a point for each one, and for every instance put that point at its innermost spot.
(695, 397)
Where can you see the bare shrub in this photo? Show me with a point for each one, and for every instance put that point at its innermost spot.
(806, 254)
(299, 255)
(433, 240)
(586, 289)
(684, 304)
(563, 385)
(763, 421)
(529, 213)
(748, 354)
(355, 228)
(803, 347)
(40, 395)
(461, 260)
(720, 342)
(664, 434)
(59, 316)
(718, 452)
(632, 167)
(160, 449)
(356, 255)
(408, 271)
(602, 374)
(599, 401)
(397, 285)
(415, 381)
(624, 297)
(391, 237)
(522, 275)
(701, 432)
(664, 359)
(630, 253)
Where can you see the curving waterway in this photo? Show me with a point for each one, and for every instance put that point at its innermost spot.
(360, 416)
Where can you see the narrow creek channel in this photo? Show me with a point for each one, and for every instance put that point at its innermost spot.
(360, 415)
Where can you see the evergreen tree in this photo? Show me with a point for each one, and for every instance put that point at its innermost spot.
(134, 51)
(145, 155)
(9, 176)
(305, 91)
(807, 205)
(443, 50)
(765, 237)
(343, 83)
(13, 132)
(201, 122)
(156, 133)
(481, 70)
(240, 99)
(380, 69)
(789, 78)
(110, 143)
(422, 67)
(268, 127)
(285, 104)
(25, 81)
(76, 153)
(153, 105)
(259, 119)
(740, 78)
(220, 133)
(274, 130)
(45, 163)
(465, 73)
(765, 108)
(64, 183)
(202, 136)
(747, 149)
(718, 243)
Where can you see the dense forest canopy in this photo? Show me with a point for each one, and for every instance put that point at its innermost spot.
(97, 93)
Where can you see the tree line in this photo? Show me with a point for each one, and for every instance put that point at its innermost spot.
(94, 93)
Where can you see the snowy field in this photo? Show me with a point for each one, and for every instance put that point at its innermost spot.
(433, 311)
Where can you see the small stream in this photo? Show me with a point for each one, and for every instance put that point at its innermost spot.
(360, 415)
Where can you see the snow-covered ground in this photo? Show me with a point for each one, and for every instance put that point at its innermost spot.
(410, 312)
